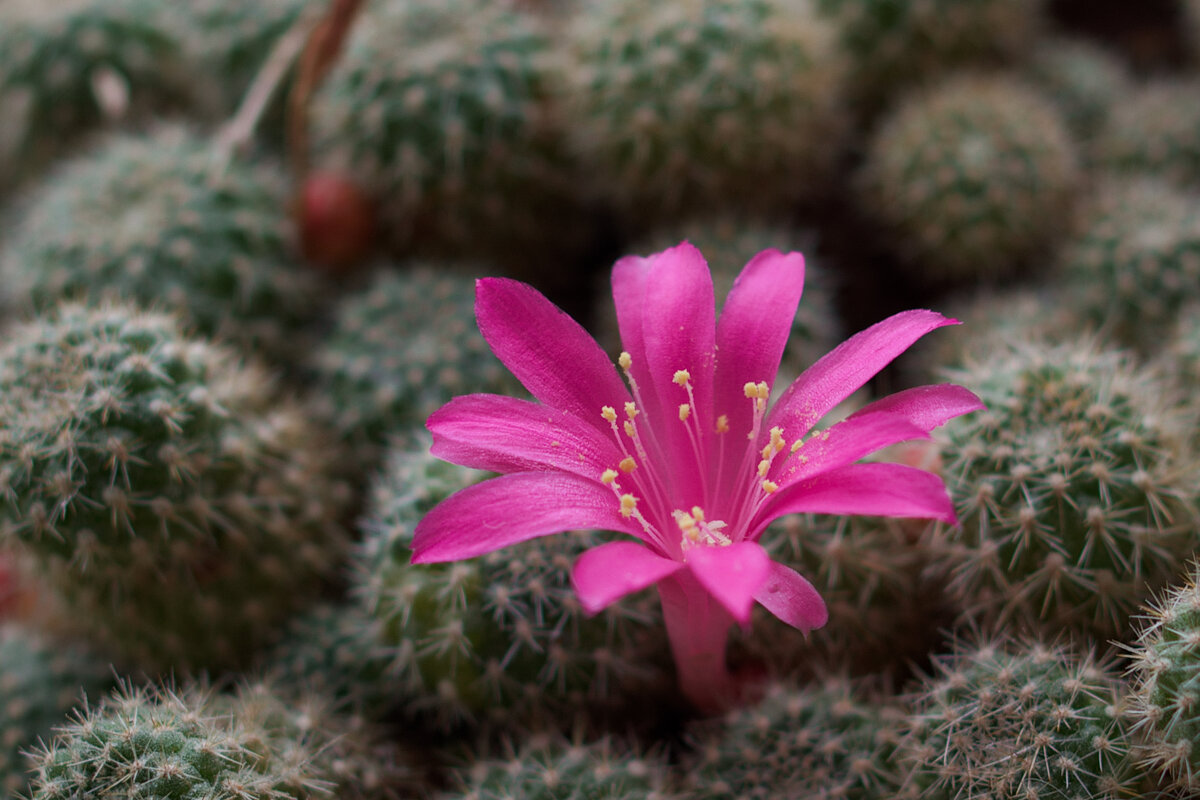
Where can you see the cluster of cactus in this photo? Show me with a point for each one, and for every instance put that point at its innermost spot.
(1155, 131)
(338, 650)
(971, 177)
(69, 66)
(167, 491)
(704, 104)
(230, 41)
(1088, 83)
(894, 44)
(441, 111)
(162, 220)
(398, 349)
(882, 613)
(1030, 313)
(824, 740)
(41, 680)
(502, 636)
(546, 766)
(1075, 489)
(1004, 718)
(1136, 260)
(1166, 692)
(175, 744)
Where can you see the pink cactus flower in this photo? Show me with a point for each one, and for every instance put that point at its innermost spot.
(684, 454)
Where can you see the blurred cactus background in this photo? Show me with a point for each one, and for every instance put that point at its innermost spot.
(238, 245)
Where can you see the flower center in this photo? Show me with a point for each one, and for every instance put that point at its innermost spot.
(748, 489)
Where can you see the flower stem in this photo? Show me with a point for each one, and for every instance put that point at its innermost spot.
(698, 628)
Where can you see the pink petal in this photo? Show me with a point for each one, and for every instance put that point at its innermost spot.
(752, 331)
(550, 353)
(605, 574)
(510, 509)
(665, 310)
(883, 490)
(505, 434)
(927, 407)
(844, 443)
(733, 574)
(787, 595)
(841, 371)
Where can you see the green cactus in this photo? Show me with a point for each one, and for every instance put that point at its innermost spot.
(161, 744)
(1015, 719)
(503, 636)
(338, 650)
(1164, 698)
(441, 110)
(882, 613)
(894, 44)
(70, 66)
(728, 244)
(1087, 82)
(992, 315)
(1183, 349)
(399, 349)
(41, 680)
(971, 177)
(1155, 130)
(825, 740)
(1136, 261)
(703, 105)
(175, 500)
(549, 767)
(1075, 490)
(159, 220)
(228, 41)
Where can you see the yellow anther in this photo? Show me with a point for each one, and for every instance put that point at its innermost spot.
(625, 360)
(684, 520)
(627, 464)
(764, 391)
(682, 376)
(698, 513)
(631, 409)
(629, 429)
(628, 505)
(685, 411)
(723, 423)
(609, 413)
(797, 445)
(608, 476)
(751, 389)
(766, 451)
(763, 466)
(769, 486)
(777, 442)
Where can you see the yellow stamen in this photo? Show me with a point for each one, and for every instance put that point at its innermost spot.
(631, 409)
(609, 413)
(685, 411)
(628, 505)
(723, 423)
(682, 376)
(769, 486)
(751, 389)
(777, 442)
(698, 513)
(608, 477)
(627, 464)
(797, 445)
(763, 466)
(625, 360)
(629, 430)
